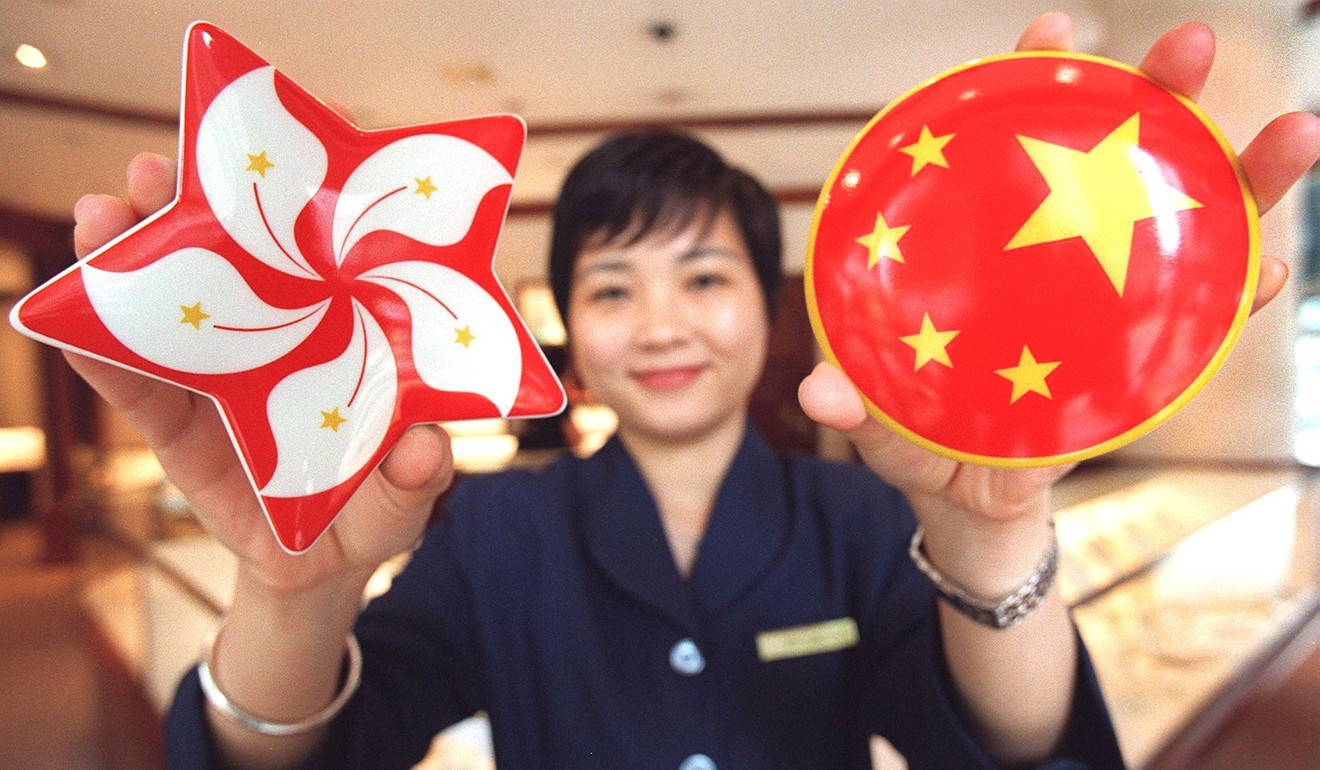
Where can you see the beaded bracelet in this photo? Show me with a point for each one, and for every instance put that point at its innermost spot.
(221, 702)
(1002, 613)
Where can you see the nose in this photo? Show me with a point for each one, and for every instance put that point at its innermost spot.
(663, 323)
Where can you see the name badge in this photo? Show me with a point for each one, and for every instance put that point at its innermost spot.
(811, 639)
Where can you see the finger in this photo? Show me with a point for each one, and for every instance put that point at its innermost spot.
(402, 492)
(152, 407)
(1279, 155)
(97, 219)
(185, 432)
(829, 398)
(151, 182)
(1180, 60)
(342, 109)
(108, 381)
(1050, 32)
(1273, 275)
(420, 460)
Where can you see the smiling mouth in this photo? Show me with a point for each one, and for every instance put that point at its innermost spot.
(667, 379)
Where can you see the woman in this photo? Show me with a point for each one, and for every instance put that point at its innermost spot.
(685, 598)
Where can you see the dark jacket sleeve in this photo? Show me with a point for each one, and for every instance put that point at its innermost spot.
(422, 671)
(931, 729)
(905, 692)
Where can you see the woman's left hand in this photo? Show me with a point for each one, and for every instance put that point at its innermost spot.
(972, 512)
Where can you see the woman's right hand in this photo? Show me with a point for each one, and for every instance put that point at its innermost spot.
(184, 429)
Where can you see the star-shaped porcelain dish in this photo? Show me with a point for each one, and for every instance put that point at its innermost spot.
(1032, 259)
(327, 287)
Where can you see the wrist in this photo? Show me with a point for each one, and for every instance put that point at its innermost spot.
(989, 557)
(281, 651)
(998, 612)
(296, 577)
(321, 610)
(221, 702)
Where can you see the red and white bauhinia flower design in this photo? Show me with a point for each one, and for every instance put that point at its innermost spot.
(327, 287)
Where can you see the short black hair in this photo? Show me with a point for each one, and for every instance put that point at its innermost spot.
(652, 180)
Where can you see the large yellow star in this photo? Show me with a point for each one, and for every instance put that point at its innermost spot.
(930, 344)
(882, 242)
(1028, 376)
(464, 336)
(1099, 195)
(258, 163)
(927, 150)
(193, 315)
(425, 187)
(332, 420)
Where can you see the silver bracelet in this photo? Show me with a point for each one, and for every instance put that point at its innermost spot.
(264, 726)
(1001, 613)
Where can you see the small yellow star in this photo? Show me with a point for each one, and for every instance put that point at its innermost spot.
(193, 315)
(465, 336)
(927, 150)
(1028, 376)
(930, 344)
(883, 241)
(258, 163)
(425, 187)
(332, 420)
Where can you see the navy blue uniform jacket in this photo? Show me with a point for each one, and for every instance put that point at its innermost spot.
(550, 600)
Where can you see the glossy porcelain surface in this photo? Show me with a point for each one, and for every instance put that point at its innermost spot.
(326, 286)
(1032, 259)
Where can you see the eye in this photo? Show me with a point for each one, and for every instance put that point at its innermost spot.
(707, 280)
(607, 294)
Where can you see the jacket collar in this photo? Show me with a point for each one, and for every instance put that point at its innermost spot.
(621, 529)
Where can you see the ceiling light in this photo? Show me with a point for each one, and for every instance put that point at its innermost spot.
(671, 97)
(30, 56)
(662, 31)
(468, 74)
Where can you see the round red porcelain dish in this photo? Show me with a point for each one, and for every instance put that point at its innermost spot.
(1032, 259)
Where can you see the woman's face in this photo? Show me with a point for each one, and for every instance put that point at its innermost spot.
(671, 331)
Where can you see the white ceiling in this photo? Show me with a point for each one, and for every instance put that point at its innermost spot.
(394, 63)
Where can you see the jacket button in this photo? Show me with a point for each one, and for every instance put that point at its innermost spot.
(685, 658)
(697, 762)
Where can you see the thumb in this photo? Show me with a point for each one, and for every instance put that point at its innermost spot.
(829, 398)
(417, 469)
(421, 461)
